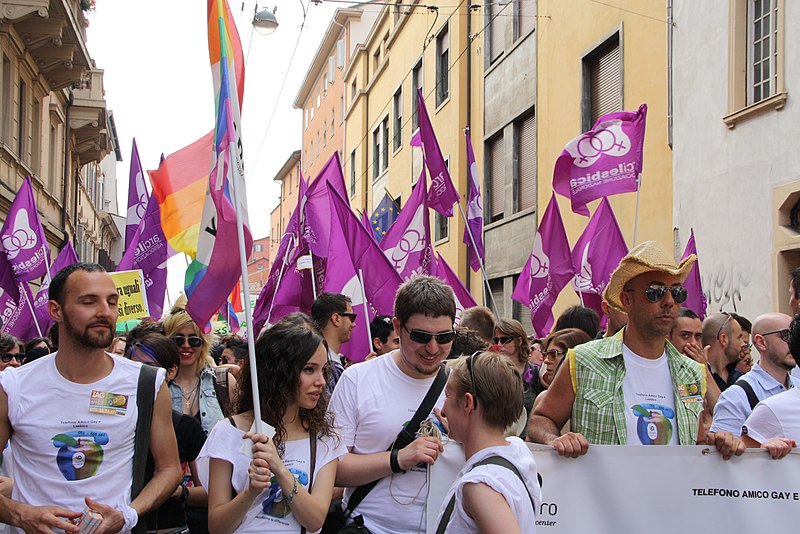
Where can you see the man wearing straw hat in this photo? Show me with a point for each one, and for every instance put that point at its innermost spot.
(633, 388)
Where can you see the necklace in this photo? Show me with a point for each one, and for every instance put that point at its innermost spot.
(188, 400)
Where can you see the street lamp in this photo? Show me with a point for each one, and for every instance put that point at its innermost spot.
(264, 21)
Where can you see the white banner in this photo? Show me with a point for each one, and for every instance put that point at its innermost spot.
(657, 490)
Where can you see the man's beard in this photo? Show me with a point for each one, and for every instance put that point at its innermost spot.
(89, 338)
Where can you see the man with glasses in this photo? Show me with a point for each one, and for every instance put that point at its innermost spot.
(72, 415)
(633, 388)
(333, 315)
(725, 339)
(376, 399)
(768, 377)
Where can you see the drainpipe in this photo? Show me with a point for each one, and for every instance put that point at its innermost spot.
(65, 189)
(468, 270)
(669, 72)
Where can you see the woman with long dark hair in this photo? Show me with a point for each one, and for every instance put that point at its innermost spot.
(283, 483)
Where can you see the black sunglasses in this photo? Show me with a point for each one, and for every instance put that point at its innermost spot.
(6, 357)
(423, 337)
(194, 341)
(503, 340)
(656, 293)
(472, 376)
(351, 316)
(785, 334)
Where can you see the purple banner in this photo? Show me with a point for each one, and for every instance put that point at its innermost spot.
(22, 237)
(65, 258)
(137, 197)
(474, 212)
(696, 301)
(443, 193)
(463, 297)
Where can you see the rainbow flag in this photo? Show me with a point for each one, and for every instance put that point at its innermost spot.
(216, 267)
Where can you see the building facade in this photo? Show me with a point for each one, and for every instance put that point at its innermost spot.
(288, 178)
(258, 265)
(55, 125)
(737, 168)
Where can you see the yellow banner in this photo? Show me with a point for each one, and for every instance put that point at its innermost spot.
(132, 295)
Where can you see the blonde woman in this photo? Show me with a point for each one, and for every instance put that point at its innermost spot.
(197, 390)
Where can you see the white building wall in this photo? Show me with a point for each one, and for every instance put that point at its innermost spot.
(724, 178)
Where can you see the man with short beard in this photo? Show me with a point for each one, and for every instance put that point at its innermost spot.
(72, 415)
(725, 339)
(659, 391)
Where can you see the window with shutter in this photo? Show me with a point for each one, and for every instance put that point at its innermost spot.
(497, 38)
(525, 179)
(496, 286)
(497, 178)
(522, 313)
(602, 81)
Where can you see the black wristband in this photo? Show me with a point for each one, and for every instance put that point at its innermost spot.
(393, 463)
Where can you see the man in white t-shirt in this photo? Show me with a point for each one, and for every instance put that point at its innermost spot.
(659, 391)
(72, 417)
(375, 399)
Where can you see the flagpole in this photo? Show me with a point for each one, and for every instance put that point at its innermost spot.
(313, 274)
(251, 349)
(366, 311)
(483, 269)
(33, 314)
(636, 216)
(280, 276)
(392, 198)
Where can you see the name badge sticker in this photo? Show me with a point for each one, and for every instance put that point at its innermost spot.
(690, 393)
(108, 403)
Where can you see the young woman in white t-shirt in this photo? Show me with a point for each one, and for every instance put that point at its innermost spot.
(268, 485)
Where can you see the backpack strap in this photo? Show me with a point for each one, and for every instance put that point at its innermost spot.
(752, 398)
(221, 390)
(145, 393)
(491, 460)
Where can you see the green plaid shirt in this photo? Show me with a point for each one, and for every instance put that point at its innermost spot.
(598, 370)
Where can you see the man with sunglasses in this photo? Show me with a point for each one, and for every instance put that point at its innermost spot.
(770, 376)
(71, 417)
(376, 399)
(333, 315)
(633, 388)
(725, 339)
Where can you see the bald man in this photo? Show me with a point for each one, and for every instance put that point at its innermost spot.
(768, 377)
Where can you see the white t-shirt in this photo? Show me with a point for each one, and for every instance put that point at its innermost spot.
(503, 481)
(775, 417)
(372, 401)
(649, 400)
(72, 440)
(270, 512)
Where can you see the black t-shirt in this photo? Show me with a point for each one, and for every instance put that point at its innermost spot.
(190, 438)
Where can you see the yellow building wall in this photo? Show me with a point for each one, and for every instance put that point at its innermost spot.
(566, 32)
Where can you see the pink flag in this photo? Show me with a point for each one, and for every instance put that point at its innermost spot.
(604, 161)
(463, 297)
(696, 301)
(65, 258)
(596, 254)
(443, 193)
(407, 244)
(316, 212)
(137, 196)
(548, 270)
(22, 321)
(22, 237)
(474, 212)
(9, 293)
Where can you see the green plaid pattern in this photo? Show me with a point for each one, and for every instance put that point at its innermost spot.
(598, 369)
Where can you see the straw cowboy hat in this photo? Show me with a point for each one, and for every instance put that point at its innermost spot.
(644, 258)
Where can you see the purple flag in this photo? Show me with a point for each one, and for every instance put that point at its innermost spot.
(22, 322)
(352, 248)
(474, 212)
(407, 244)
(443, 193)
(315, 216)
(696, 301)
(463, 297)
(137, 197)
(548, 270)
(604, 161)
(65, 258)
(596, 254)
(22, 237)
(9, 293)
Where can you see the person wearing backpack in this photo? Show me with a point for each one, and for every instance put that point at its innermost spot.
(497, 490)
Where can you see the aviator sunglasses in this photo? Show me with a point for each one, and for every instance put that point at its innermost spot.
(423, 337)
(194, 341)
(656, 293)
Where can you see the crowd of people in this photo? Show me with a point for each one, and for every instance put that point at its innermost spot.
(156, 431)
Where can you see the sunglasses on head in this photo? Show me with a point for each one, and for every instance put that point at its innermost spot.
(472, 376)
(194, 341)
(503, 340)
(6, 357)
(423, 337)
(656, 293)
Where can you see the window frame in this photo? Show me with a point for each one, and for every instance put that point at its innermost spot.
(443, 65)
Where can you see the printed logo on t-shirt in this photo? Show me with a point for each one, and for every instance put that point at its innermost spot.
(275, 505)
(80, 453)
(654, 425)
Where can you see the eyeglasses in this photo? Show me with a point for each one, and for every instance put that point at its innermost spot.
(6, 357)
(656, 293)
(746, 348)
(785, 334)
(724, 323)
(553, 354)
(423, 337)
(351, 316)
(472, 376)
(504, 340)
(194, 341)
